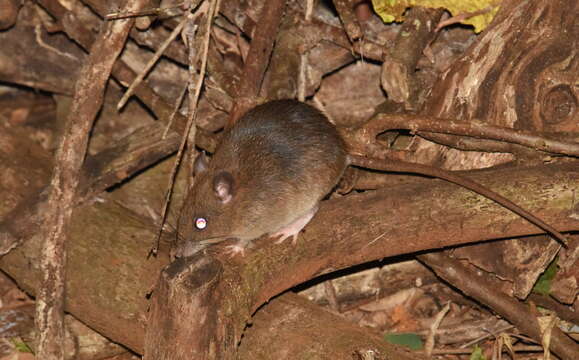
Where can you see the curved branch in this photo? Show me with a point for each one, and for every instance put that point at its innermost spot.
(417, 124)
(346, 232)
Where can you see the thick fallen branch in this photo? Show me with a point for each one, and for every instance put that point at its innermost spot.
(346, 232)
(257, 59)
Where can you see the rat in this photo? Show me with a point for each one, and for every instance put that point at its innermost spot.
(270, 172)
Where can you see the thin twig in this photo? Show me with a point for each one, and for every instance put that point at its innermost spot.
(194, 93)
(147, 12)
(429, 345)
(175, 110)
(459, 351)
(480, 338)
(151, 63)
(461, 17)
(302, 76)
(309, 9)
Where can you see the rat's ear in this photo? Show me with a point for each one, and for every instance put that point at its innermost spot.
(200, 164)
(224, 186)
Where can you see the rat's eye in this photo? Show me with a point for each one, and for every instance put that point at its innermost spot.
(200, 223)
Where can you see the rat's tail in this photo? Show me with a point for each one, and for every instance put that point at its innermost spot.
(403, 167)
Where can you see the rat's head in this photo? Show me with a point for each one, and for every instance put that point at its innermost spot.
(211, 203)
(205, 217)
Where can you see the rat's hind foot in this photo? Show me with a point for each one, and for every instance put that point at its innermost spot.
(293, 229)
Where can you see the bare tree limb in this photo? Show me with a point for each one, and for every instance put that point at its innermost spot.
(66, 177)
(362, 139)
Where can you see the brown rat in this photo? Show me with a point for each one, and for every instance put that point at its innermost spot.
(267, 176)
(271, 170)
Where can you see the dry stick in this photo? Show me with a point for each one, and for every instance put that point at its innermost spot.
(257, 59)
(177, 107)
(486, 293)
(302, 79)
(459, 351)
(489, 334)
(474, 128)
(309, 10)
(429, 344)
(345, 9)
(461, 17)
(151, 63)
(147, 12)
(473, 144)
(194, 93)
(547, 335)
(69, 158)
(76, 30)
(562, 311)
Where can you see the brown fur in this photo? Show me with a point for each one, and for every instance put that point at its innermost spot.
(284, 157)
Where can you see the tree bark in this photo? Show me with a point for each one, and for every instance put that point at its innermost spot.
(311, 332)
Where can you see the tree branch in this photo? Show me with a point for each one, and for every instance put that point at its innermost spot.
(64, 184)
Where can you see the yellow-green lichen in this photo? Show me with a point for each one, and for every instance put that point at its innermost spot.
(393, 10)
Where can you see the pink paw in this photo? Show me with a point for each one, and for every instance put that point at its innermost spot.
(234, 250)
(238, 248)
(293, 229)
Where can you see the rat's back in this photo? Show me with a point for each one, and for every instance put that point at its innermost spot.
(285, 156)
(284, 143)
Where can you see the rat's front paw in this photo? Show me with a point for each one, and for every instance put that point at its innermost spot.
(238, 248)
(233, 250)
